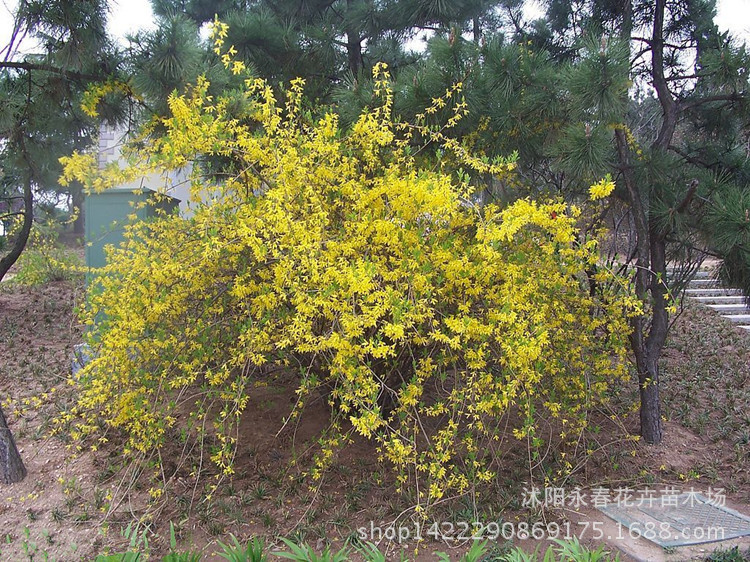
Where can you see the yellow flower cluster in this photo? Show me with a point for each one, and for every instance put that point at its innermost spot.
(436, 326)
(602, 188)
(97, 91)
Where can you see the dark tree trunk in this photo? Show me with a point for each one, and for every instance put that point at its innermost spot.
(354, 52)
(646, 342)
(77, 195)
(23, 235)
(353, 47)
(657, 337)
(649, 334)
(650, 413)
(650, 346)
(11, 466)
(669, 107)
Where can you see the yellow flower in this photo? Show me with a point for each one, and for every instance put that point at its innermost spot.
(359, 270)
(602, 188)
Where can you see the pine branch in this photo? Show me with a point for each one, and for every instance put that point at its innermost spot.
(668, 104)
(70, 74)
(688, 196)
(8, 215)
(689, 104)
(686, 77)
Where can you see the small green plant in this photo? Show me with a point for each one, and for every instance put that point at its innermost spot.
(57, 515)
(730, 555)
(565, 551)
(44, 259)
(119, 557)
(371, 552)
(305, 553)
(253, 551)
(137, 535)
(31, 549)
(268, 520)
(260, 492)
(139, 544)
(182, 557)
(174, 556)
(475, 553)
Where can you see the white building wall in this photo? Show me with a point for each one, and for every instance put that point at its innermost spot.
(175, 184)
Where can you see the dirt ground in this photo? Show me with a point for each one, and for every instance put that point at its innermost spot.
(63, 508)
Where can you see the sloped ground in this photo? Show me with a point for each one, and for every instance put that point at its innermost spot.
(706, 377)
(57, 509)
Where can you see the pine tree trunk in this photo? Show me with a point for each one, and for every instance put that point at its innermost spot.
(23, 235)
(651, 283)
(77, 196)
(648, 384)
(650, 406)
(650, 275)
(657, 337)
(11, 466)
(353, 46)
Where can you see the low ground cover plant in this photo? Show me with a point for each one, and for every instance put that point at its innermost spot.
(256, 551)
(45, 259)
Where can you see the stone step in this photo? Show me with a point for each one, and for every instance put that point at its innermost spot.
(707, 282)
(711, 292)
(713, 266)
(704, 274)
(740, 308)
(745, 328)
(720, 299)
(737, 318)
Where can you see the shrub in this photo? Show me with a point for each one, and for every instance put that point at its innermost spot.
(44, 259)
(432, 324)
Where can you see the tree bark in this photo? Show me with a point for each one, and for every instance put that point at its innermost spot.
(668, 104)
(353, 47)
(23, 235)
(76, 196)
(650, 412)
(651, 429)
(477, 30)
(646, 343)
(354, 51)
(12, 469)
(651, 281)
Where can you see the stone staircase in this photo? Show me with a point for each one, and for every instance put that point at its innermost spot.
(729, 303)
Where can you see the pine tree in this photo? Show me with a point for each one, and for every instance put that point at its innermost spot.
(331, 43)
(41, 120)
(678, 152)
(672, 195)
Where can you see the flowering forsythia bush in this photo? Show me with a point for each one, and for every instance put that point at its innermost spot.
(434, 326)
